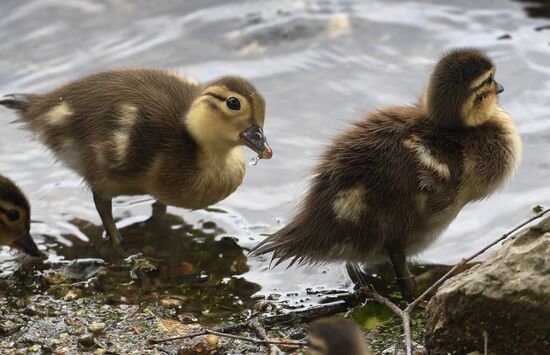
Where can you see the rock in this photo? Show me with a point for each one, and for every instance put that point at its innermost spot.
(96, 328)
(505, 296)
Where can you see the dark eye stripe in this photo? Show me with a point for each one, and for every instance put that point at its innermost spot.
(483, 83)
(219, 97)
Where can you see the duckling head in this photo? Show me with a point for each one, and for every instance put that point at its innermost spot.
(331, 335)
(462, 91)
(15, 218)
(229, 112)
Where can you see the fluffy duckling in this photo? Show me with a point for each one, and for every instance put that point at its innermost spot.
(335, 336)
(149, 132)
(388, 186)
(15, 218)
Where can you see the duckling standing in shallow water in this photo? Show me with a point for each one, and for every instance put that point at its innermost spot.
(149, 132)
(387, 187)
(15, 218)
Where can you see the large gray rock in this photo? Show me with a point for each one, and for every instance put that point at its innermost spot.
(507, 296)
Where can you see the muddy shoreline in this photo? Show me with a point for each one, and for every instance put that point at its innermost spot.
(116, 306)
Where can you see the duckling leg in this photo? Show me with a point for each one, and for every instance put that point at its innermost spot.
(159, 210)
(405, 280)
(356, 274)
(105, 209)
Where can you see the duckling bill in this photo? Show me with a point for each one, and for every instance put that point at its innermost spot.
(15, 222)
(389, 185)
(149, 132)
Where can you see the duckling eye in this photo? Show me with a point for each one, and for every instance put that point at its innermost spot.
(12, 215)
(490, 79)
(233, 103)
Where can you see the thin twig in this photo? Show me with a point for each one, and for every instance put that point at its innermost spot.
(351, 300)
(377, 297)
(260, 332)
(405, 318)
(408, 332)
(485, 342)
(232, 336)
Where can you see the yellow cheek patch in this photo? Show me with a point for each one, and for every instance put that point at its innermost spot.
(475, 111)
(209, 127)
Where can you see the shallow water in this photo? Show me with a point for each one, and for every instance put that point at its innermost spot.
(319, 64)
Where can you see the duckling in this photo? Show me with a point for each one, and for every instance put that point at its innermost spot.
(334, 336)
(15, 218)
(388, 186)
(149, 132)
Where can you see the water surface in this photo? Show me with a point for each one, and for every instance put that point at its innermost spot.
(320, 64)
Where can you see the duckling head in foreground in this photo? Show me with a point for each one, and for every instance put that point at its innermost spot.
(15, 222)
(334, 336)
(149, 132)
(389, 185)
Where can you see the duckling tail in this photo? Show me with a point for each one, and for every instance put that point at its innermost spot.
(285, 245)
(20, 102)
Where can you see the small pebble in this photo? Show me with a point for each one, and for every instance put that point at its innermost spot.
(35, 348)
(96, 328)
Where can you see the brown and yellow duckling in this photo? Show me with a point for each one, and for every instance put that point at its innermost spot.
(389, 185)
(335, 336)
(149, 132)
(15, 218)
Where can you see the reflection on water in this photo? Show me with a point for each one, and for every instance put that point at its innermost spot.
(319, 64)
(168, 261)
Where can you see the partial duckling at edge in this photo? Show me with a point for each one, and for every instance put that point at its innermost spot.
(149, 132)
(335, 336)
(388, 186)
(15, 218)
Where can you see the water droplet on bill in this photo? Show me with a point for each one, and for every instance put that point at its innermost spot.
(254, 161)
